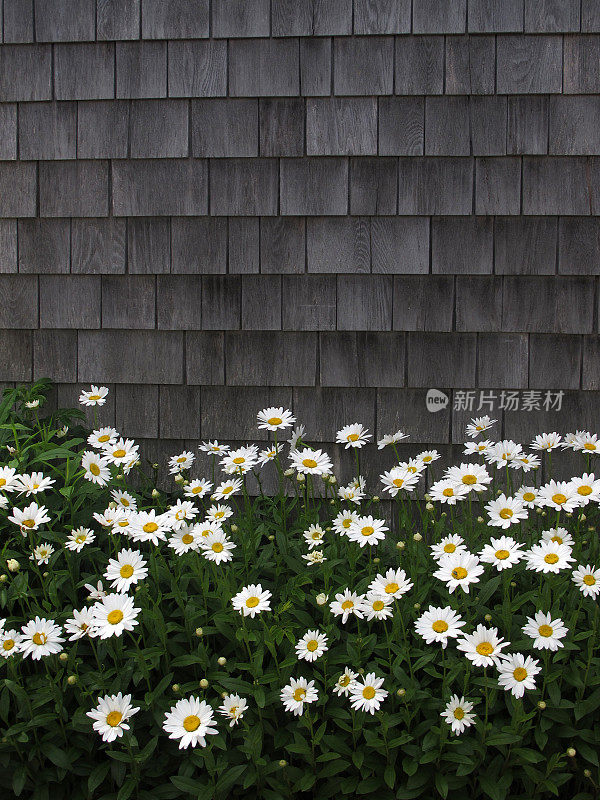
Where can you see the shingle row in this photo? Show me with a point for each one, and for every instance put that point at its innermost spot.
(287, 127)
(287, 359)
(380, 65)
(85, 20)
(274, 245)
(311, 186)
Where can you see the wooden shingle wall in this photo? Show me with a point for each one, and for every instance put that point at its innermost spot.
(325, 204)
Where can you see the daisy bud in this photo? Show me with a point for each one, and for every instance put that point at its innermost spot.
(543, 513)
(400, 545)
(234, 529)
(569, 514)
(513, 585)
(179, 478)
(376, 560)
(427, 496)
(199, 632)
(175, 687)
(538, 511)
(3, 578)
(571, 752)
(221, 661)
(375, 498)
(488, 618)
(328, 528)
(112, 504)
(498, 491)
(587, 773)
(361, 671)
(63, 657)
(300, 477)
(223, 695)
(417, 537)
(155, 466)
(480, 520)
(541, 705)
(416, 606)
(288, 473)
(155, 493)
(13, 565)
(321, 599)
(429, 506)
(271, 538)
(332, 502)
(72, 680)
(283, 763)
(45, 574)
(582, 517)
(401, 692)
(332, 479)
(204, 683)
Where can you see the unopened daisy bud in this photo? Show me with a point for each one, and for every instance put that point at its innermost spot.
(587, 773)
(72, 680)
(179, 478)
(13, 565)
(63, 657)
(223, 695)
(427, 496)
(283, 763)
(204, 683)
(332, 502)
(361, 671)
(401, 692)
(300, 477)
(376, 560)
(3, 577)
(155, 466)
(328, 527)
(543, 513)
(321, 599)
(416, 606)
(480, 519)
(45, 574)
(155, 493)
(112, 504)
(271, 538)
(375, 498)
(513, 585)
(175, 687)
(582, 517)
(221, 661)
(541, 705)
(417, 537)
(443, 514)
(234, 528)
(488, 618)
(571, 752)
(498, 491)
(569, 514)
(429, 506)
(400, 545)
(332, 479)
(538, 511)
(199, 632)
(288, 473)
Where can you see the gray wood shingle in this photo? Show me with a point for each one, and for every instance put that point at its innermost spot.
(441, 360)
(373, 185)
(574, 125)
(221, 302)
(264, 67)
(546, 371)
(261, 302)
(8, 131)
(44, 245)
(159, 129)
(400, 245)
(364, 302)
(470, 64)
(478, 303)
(270, 358)
(529, 64)
(55, 355)
(309, 302)
(128, 301)
(525, 245)
(527, 127)
(435, 185)
(130, 356)
(502, 360)
(282, 244)
(382, 16)
(419, 65)
(431, 16)
(136, 410)
(18, 301)
(84, 71)
(103, 129)
(338, 245)
(423, 302)
(117, 20)
(25, 72)
(311, 17)
(205, 362)
(556, 186)
(141, 69)
(47, 130)
(18, 21)
(579, 246)
(65, 20)
(73, 189)
(240, 187)
(462, 245)
(447, 126)
(362, 359)
(552, 16)
(345, 126)
(315, 67)
(149, 245)
(199, 245)
(18, 185)
(281, 127)
(240, 18)
(177, 19)
(179, 302)
(497, 186)
(243, 245)
(197, 69)
(495, 16)
(313, 186)
(225, 128)
(71, 301)
(401, 126)
(162, 187)
(98, 246)
(363, 65)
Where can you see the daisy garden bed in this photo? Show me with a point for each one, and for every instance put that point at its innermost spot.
(204, 643)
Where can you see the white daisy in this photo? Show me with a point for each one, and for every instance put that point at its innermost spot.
(298, 692)
(122, 452)
(474, 476)
(10, 642)
(459, 569)
(124, 500)
(391, 438)
(503, 552)
(79, 624)
(558, 536)
(95, 592)
(213, 447)
(114, 614)
(367, 695)
(270, 454)
(517, 673)
(483, 647)
(458, 714)
(446, 491)
(240, 461)
(233, 708)
(311, 646)
(453, 543)
(526, 462)
(126, 569)
(219, 513)
(527, 495)
(95, 467)
(197, 488)
(148, 526)
(311, 462)
(377, 606)
(398, 479)
(587, 488)
(505, 511)
(314, 557)
(393, 584)
(252, 600)
(181, 462)
(504, 453)
(439, 624)
(477, 448)
(274, 419)
(545, 631)
(549, 557)
(102, 437)
(344, 682)
(31, 517)
(9, 479)
(347, 603)
(78, 539)
(367, 530)
(354, 435)
(185, 539)
(478, 425)
(180, 514)
(354, 492)
(314, 536)
(111, 714)
(96, 396)
(190, 720)
(587, 579)
(34, 483)
(41, 553)
(40, 637)
(587, 443)
(341, 524)
(217, 547)
(205, 529)
(546, 441)
(227, 489)
(559, 495)
(296, 436)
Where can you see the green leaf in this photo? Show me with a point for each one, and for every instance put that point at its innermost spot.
(441, 784)
(389, 776)
(97, 775)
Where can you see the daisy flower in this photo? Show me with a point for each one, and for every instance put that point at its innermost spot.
(240, 461)
(558, 536)
(391, 438)
(559, 495)
(587, 488)
(10, 642)
(458, 714)
(341, 524)
(314, 557)
(233, 708)
(32, 403)
(190, 720)
(197, 488)
(296, 436)
(95, 592)
(219, 513)
(483, 647)
(344, 682)
(34, 483)
(31, 517)
(478, 425)
(546, 441)
(114, 614)
(393, 584)
(503, 552)
(439, 624)
(96, 396)
(40, 637)
(314, 536)
(587, 579)
(126, 569)
(477, 448)
(216, 547)
(180, 462)
(517, 673)
(453, 543)
(227, 489)
(459, 569)
(184, 540)
(528, 496)
(367, 530)
(354, 492)
(181, 513)
(252, 600)
(111, 714)
(446, 491)
(587, 443)
(504, 453)
(79, 624)
(397, 479)
(213, 447)
(354, 435)
(41, 553)
(78, 539)
(102, 437)
(9, 479)
(526, 462)
(347, 603)
(298, 692)
(275, 419)
(205, 529)
(148, 526)
(474, 476)
(95, 467)
(124, 521)
(311, 646)
(505, 511)
(545, 631)
(270, 454)
(311, 462)
(377, 606)
(549, 557)
(121, 452)
(367, 695)
(124, 500)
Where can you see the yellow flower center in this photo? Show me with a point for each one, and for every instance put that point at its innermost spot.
(344, 680)
(114, 718)
(506, 513)
(367, 530)
(191, 723)
(217, 547)
(449, 492)
(502, 555)
(81, 538)
(39, 638)
(150, 527)
(299, 694)
(219, 514)
(28, 523)
(378, 605)
(104, 438)
(187, 538)
(94, 397)
(584, 490)
(559, 499)
(120, 453)
(227, 489)
(398, 482)
(181, 460)
(551, 558)
(252, 602)
(126, 571)
(519, 674)
(310, 463)
(347, 604)
(440, 626)
(368, 693)
(196, 489)
(478, 427)
(346, 523)
(391, 588)
(115, 616)
(8, 644)
(353, 437)
(458, 573)
(458, 713)
(426, 460)
(469, 479)
(239, 460)
(312, 645)
(274, 421)
(528, 497)
(557, 539)
(589, 446)
(545, 631)
(589, 580)
(2, 482)
(449, 547)
(485, 649)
